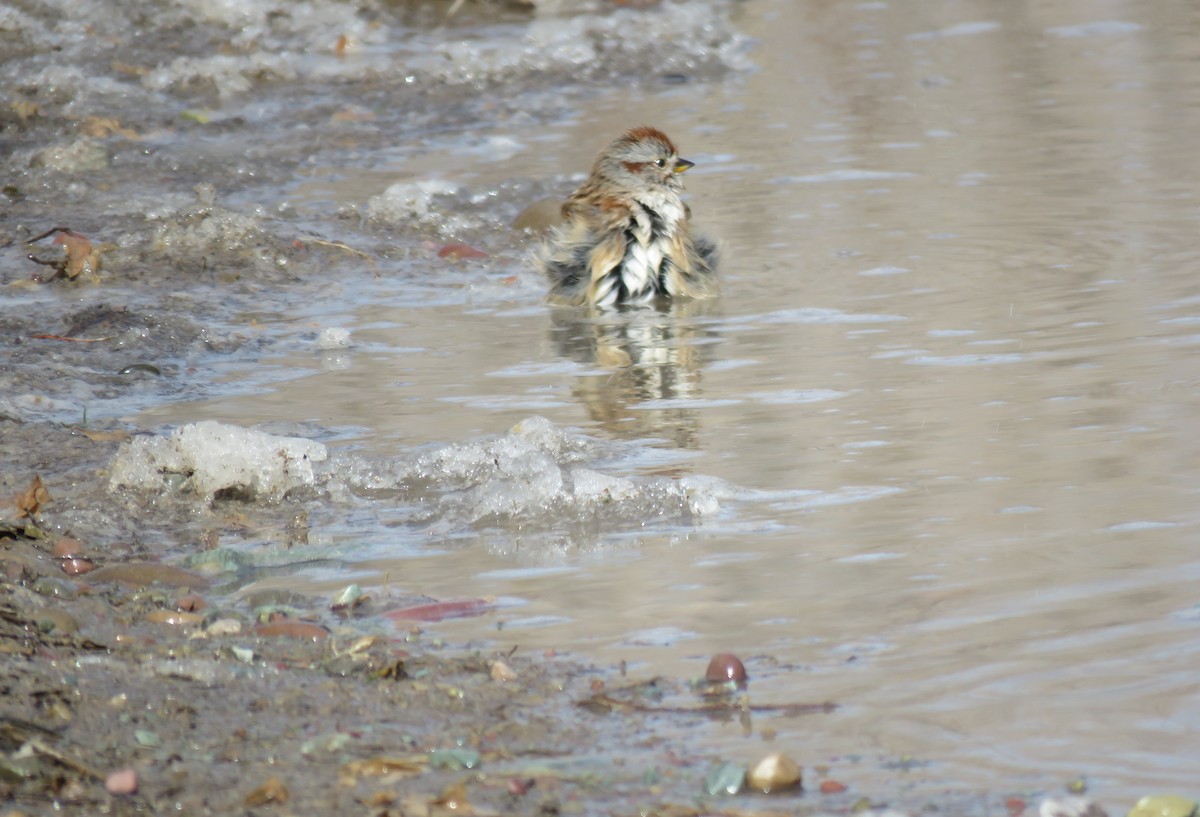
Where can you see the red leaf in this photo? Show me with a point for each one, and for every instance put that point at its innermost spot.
(441, 610)
(459, 251)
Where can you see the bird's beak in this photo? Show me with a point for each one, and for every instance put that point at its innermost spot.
(682, 165)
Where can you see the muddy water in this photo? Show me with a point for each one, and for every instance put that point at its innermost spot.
(953, 369)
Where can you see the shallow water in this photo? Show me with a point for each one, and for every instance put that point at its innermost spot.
(950, 384)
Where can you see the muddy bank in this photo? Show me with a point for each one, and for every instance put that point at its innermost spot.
(139, 688)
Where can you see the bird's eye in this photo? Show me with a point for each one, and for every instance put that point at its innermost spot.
(660, 162)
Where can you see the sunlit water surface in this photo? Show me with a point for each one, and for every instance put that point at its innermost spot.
(954, 364)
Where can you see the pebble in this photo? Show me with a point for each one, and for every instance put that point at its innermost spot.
(175, 618)
(1163, 805)
(725, 667)
(190, 603)
(122, 781)
(774, 773)
(503, 672)
(76, 565)
(225, 626)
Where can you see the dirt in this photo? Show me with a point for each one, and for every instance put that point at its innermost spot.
(93, 685)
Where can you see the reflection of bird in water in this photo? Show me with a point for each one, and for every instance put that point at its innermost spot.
(648, 355)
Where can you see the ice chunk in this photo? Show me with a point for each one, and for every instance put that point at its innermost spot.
(409, 201)
(210, 457)
(231, 74)
(597, 487)
(535, 477)
(333, 337)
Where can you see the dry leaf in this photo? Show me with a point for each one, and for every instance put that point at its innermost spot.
(352, 772)
(126, 68)
(81, 257)
(30, 502)
(460, 251)
(273, 791)
(24, 109)
(454, 798)
(119, 435)
(104, 126)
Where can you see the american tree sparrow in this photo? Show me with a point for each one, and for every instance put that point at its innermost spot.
(625, 236)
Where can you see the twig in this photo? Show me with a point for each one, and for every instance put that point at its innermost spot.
(44, 336)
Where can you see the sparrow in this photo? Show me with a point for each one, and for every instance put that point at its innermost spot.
(625, 237)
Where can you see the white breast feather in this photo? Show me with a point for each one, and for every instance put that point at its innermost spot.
(645, 257)
(669, 207)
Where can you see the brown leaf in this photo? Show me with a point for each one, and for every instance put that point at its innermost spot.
(30, 502)
(104, 126)
(81, 257)
(287, 628)
(120, 435)
(126, 68)
(24, 109)
(454, 798)
(273, 791)
(442, 610)
(352, 772)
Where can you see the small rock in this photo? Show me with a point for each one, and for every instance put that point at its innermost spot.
(76, 565)
(224, 626)
(175, 618)
(122, 781)
(190, 603)
(503, 672)
(725, 667)
(1163, 805)
(774, 773)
